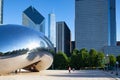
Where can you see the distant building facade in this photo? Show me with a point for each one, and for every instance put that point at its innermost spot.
(95, 24)
(72, 45)
(63, 38)
(52, 28)
(1, 11)
(114, 50)
(112, 16)
(33, 19)
(118, 43)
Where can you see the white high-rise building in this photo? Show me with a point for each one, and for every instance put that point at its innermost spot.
(52, 28)
(95, 24)
(1, 11)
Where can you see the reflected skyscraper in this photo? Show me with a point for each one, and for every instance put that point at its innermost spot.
(52, 28)
(95, 24)
(1, 11)
(33, 19)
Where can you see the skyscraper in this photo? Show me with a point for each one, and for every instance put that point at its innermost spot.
(112, 15)
(63, 37)
(72, 45)
(1, 11)
(52, 29)
(95, 24)
(33, 19)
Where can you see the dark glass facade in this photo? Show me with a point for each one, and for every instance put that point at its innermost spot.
(112, 7)
(63, 38)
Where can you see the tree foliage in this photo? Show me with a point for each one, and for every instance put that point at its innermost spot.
(60, 60)
(75, 60)
(92, 58)
(112, 60)
(82, 58)
(100, 59)
(118, 59)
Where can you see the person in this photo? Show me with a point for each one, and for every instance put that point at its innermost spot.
(73, 69)
(69, 69)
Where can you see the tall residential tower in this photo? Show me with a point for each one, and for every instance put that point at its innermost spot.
(52, 28)
(95, 24)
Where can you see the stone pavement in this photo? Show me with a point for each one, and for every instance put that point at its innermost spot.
(59, 75)
(113, 73)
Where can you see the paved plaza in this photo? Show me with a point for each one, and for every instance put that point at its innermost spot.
(59, 75)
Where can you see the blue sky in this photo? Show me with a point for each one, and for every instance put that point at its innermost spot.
(63, 9)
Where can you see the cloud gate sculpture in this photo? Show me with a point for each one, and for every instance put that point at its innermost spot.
(23, 48)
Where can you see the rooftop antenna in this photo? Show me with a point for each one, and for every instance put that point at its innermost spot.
(30, 1)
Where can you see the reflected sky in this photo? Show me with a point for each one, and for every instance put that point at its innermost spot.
(15, 37)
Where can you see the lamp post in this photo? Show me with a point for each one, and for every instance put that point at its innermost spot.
(117, 63)
(107, 57)
(104, 63)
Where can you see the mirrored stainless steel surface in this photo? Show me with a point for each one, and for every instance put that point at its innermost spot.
(18, 41)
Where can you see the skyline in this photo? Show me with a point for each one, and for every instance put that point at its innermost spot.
(13, 10)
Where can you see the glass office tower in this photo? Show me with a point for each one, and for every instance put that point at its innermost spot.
(33, 19)
(95, 24)
(52, 28)
(112, 22)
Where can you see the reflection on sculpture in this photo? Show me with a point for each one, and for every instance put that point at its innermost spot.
(21, 47)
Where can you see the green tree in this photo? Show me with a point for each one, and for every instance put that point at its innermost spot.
(118, 59)
(75, 60)
(112, 60)
(100, 59)
(84, 57)
(60, 60)
(1, 53)
(75, 51)
(92, 58)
